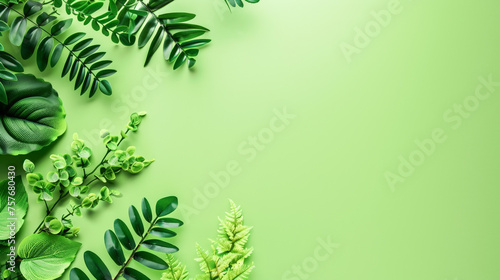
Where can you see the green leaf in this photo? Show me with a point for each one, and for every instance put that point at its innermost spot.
(150, 260)
(3, 26)
(44, 19)
(195, 43)
(67, 65)
(74, 38)
(154, 45)
(31, 8)
(21, 200)
(105, 87)
(124, 234)
(105, 73)
(46, 256)
(33, 118)
(92, 8)
(3, 94)
(17, 31)
(166, 206)
(113, 247)
(146, 210)
(163, 232)
(43, 52)
(180, 60)
(60, 27)
(135, 220)
(160, 246)
(96, 267)
(77, 274)
(147, 32)
(88, 51)
(177, 17)
(10, 62)
(100, 64)
(30, 42)
(56, 55)
(169, 223)
(7, 75)
(132, 274)
(94, 57)
(82, 44)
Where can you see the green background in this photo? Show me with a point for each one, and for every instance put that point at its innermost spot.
(324, 175)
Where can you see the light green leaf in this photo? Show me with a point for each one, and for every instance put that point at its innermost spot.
(21, 200)
(46, 257)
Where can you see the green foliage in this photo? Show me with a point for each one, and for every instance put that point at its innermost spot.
(82, 63)
(228, 255)
(13, 195)
(130, 21)
(8, 67)
(32, 118)
(70, 177)
(121, 240)
(46, 256)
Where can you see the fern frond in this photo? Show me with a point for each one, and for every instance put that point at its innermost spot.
(233, 235)
(83, 63)
(238, 272)
(204, 260)
(175, 271)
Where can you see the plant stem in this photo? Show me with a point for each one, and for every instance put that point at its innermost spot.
(46, 206)
(63, 195)
(122, 269)
(105, 155)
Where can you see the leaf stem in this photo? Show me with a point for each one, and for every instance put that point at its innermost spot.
(63, 195)
(105, 155)
(122, 269)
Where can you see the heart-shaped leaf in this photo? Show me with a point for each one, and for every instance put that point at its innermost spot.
(46, 256)
(33, 117)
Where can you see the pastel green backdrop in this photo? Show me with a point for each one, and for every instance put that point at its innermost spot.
(364, 94)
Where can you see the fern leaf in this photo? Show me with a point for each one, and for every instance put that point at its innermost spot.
(204, 260)
(175, 271)
(239, 272)
(233, 235)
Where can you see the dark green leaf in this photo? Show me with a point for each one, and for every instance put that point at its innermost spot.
(132, 274)
(163, 232)
(34, 117)
(94, 87)
(105, 73)
(67, 65)
(43, 52)
(86, 83)
(88, 51)
(147, 32)
(30, 42)
(31, 8)
(150, 260)
(92, 8)
(95, 25)
(77, 274)
(146, 210)
(180, 60)
(82, 44)
(3, 94)
(135, 219)
(10, 62)
(191, 62)
(124, 235)
(44, 19)
(160, 246)
(195, 43)
(176, 17)
(7, 75)
(166, 205)
(113, 247)
(169, 223)
(154, 45)
(60, 27)
(173, 26)
(155, 5)
(168, 46)
(17, 31)
(94, 57)
(100, 64)
(182, 36)
(3, 26)
(56, 55)
(74, 38)
(74, 70)
(96, 267)
(80, 77)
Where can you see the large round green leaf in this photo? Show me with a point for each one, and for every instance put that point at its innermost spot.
(46, 256)
(33, 117)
